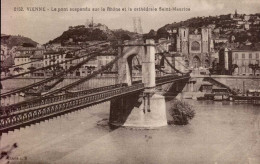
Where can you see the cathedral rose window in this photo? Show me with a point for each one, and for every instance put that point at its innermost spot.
(195, 46)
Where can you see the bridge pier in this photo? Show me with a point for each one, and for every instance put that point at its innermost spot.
(141, 110)
(145, 109)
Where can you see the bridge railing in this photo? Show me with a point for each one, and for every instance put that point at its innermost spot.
(47, 100)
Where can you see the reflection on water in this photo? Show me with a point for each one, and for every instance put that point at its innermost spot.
(221, 132)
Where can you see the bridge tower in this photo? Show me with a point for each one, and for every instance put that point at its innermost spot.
(145, 109)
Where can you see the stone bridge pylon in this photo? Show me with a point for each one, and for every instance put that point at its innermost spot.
(144, 109)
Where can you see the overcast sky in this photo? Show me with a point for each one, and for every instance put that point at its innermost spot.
(45, 26)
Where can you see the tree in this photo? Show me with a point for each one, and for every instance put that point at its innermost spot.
(5, 70)
(162, 33)
(233, 67)
(254, 67)
(181, 112)
(28, 45)
(150, 35)
(125, 37)
(18, 69)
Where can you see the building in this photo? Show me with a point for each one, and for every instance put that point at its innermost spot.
(247, 26)
(52, 57)
(29, 50)
(37, 62)
(237, 61)
(195, 46)
(247, 17)
(89, 67)
(104, 59)
(22, 62)
(3, 55)
(69, 64)
(243, 57)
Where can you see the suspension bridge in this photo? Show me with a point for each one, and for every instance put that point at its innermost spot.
(132, 103)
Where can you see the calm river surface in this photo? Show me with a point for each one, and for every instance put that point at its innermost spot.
(221, 132)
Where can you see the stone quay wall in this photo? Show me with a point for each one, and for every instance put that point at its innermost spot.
(249, 82)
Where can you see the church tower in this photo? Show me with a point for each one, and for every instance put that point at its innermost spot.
(205, 39)
(184, 38)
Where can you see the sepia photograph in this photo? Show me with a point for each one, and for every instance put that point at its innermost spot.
(130, 82)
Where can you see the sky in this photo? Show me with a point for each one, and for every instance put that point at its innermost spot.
(43, 26)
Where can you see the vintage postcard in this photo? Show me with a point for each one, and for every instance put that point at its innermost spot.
(130, 82)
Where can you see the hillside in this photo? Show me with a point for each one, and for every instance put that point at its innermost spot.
(227, 26)
(81, 34)
(11, 40)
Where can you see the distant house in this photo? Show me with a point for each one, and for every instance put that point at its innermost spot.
(242, 57)
(212, 26)
(37, 62)
(89, 67)
(246, 26)
(29, 50)
(55, 46)
(3, 56)
(22, 62)
(53, 57)
(240, 22)
(247, 17)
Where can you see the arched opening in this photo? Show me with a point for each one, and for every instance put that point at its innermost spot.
(187, 63)
(134, 67)
(206, 64)
(196, 62)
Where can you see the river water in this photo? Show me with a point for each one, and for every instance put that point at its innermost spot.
(221, 132)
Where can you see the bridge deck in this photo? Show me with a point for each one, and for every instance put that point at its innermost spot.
(36, 114)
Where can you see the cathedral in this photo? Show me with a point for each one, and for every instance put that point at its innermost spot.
(196, 46)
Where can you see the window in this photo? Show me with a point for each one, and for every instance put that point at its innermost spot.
(250, 56)
(236, 56)
(195, 46)
(243, 56)
(257, 56)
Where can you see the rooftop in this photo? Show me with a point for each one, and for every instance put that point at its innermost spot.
(23, 56)
(38, 56)
(253, 47)
(53, 52)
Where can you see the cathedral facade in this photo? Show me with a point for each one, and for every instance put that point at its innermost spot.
(195, 46)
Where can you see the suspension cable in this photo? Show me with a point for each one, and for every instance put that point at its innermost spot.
(88, 77)
(93, 54)
(43, 68)
(14, 66)
(172, 66)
